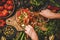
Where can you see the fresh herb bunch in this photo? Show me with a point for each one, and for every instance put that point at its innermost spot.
(33, 5)
(37, 2)
(52, 26)
(55, 3)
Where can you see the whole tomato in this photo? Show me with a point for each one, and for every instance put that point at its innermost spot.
(5, 6)
(5, 12)
(9, 2)
(26, 17)
(1, 14)
(8, 7)
(1, 8)
(2, 23)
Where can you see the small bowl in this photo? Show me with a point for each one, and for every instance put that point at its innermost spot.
(10, 12)
(12, 29)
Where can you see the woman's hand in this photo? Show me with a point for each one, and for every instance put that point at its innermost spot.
(31, 33)
(47, 13)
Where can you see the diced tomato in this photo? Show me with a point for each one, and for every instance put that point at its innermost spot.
(56, 8)
(27, 17)
(18, 13)
(25, 10)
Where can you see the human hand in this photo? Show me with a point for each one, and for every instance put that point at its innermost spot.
(31, 33)
(47, 13)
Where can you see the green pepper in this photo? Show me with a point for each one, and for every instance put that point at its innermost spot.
(19, 35)
(22, 36)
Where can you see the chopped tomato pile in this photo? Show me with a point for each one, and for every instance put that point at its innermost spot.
(24, 15)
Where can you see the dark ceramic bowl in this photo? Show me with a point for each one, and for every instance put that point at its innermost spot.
(10, 12)
(11, 32)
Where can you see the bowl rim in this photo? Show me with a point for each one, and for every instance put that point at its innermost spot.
(11, 12)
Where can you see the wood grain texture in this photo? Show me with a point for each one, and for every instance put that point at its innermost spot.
(12, 21)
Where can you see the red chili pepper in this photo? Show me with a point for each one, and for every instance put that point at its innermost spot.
(2, 23)
(53, 7)
(3, 0)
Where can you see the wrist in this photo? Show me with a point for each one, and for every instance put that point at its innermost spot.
(57, 16)
(53, 16)
(34, 36)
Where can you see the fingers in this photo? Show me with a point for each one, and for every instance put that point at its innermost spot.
(43, 11)
(29, 30)
(28, 27)
(46, 10)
